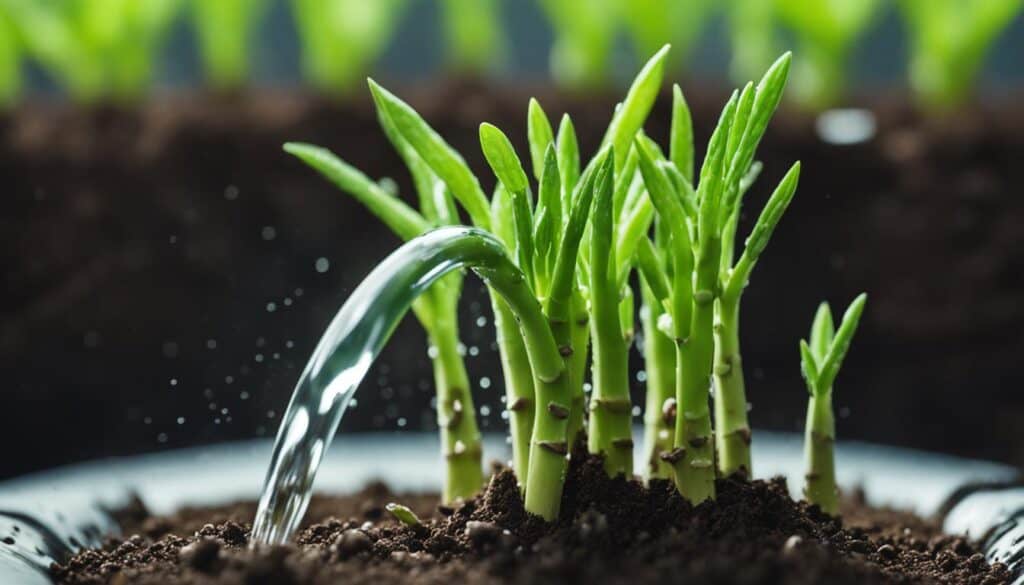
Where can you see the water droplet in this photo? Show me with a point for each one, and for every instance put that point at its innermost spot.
(271, 307)
(287, 301)
(181, 420)
(432, 352)
(474, 350)
(243, 395)
(299, 292)
(636, 411)
(229, 379)
(91, 339)
(401, 422)
(641, 376)
(481, 321)
(485, 410)
(258, 357)
(268, 233)
(231, 193)
(289, 344)
(485, 382)
(148, 420)
(587, 387)
(322, 265)
(170, 349)
(161, 438)
(211, 344)
(172, 240)
(174, 381)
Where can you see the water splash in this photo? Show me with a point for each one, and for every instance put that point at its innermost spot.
(340, 361)
(992, 513)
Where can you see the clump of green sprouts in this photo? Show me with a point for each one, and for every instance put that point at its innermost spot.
(948, 43)
(577, 232)
(224, 30)
(820, 360)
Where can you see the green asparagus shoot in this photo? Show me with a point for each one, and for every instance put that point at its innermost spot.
(403, 514)
(10, 61)
(224, 30)
(584, 38)
(436, 309)
(96, 49)
(341, 39)
(820, 360)
(948, 43)
(473, 34)
(825, 32)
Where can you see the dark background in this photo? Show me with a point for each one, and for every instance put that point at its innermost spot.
(167, 270)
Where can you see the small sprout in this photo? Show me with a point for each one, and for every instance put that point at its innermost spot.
(10, 61)
(948, 43)
(825, 33)
(473, 34)
(403, 514)
(341, 39)
(820, 360)
(224, 30)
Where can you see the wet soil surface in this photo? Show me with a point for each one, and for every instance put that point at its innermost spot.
(167, 270)
(609, 531)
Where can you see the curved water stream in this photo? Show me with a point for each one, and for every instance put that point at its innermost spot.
(343, 356)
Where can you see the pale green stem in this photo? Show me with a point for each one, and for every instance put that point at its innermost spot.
(820, 487)
(578, 364)
(731, 424)
(519, 393)
(660, 365)
(460, 438)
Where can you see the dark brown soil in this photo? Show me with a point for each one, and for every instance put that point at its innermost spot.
(610, 531)
(138, 266)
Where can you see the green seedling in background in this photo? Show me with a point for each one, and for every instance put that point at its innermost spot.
(820, 361)
(95, 49)
(650, 24)
(826, 32)
(473, 34)
(584, 38)
(436, 309)
(224, 30)
(752, 36)
(10, 61)
(948, 43)
(341, 39)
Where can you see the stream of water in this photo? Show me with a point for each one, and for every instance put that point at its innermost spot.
(341, 360)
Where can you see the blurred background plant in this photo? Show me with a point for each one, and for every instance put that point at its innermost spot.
(95, 48)
(112, 49)
(948, 42)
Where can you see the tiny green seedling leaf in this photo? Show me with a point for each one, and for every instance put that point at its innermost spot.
(403, 514)
(539, 135)
(502, 158)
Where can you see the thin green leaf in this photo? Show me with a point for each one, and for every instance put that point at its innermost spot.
(823, 331)
(539, 135)
(522, 218)
(762, 231)
(502, 158)
(630, 117)
(398, 216)
(681, 134)
(446, 163)
(841, 343)
(808, 367)
(549, 196)
(568, 158)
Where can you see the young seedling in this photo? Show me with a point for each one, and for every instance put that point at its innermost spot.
(224, 29)
(688, 272)
(584, 37)
(820, 361)
(949, 41)
(752, 37)
(436, 309)
(473, 34)
(404, 515)
(545, 236)
(340, 39)
(825, 33)
(651, 24)
(95, 49)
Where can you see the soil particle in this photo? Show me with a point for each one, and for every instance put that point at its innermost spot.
(610, 531)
